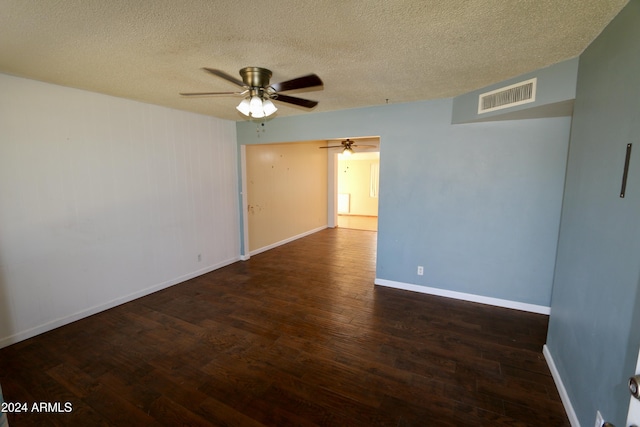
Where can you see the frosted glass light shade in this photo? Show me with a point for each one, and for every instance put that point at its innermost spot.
(347, 152)
(268, 107)
(255, 105)
(243, 107)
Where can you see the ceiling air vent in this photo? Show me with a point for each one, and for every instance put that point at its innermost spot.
(509, 96)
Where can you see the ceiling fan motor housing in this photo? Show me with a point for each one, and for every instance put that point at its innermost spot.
(256, 76)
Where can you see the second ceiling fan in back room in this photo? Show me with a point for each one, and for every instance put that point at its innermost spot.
(347, 146)
(258, 93)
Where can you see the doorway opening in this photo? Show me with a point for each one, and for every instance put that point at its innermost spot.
(356, 185)
(290, 190)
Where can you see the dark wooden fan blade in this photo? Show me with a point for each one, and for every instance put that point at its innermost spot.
(296, 101)
(300, 83)
(332, 146)
(212, 93)
(225, 76)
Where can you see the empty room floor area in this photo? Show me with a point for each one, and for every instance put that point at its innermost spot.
(297, 335)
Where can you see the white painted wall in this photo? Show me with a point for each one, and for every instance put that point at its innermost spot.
(103, 200)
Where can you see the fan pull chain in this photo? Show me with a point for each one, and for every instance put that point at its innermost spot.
(259, 125)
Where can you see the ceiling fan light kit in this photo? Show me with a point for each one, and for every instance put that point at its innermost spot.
(258, 93)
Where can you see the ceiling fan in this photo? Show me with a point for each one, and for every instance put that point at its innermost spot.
(258, 93)
(347, 145)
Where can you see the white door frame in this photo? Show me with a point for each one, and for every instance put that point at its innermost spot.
(245, 207)
(332, 189)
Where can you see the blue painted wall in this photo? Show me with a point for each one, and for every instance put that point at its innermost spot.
(594, 330)
(477, 204)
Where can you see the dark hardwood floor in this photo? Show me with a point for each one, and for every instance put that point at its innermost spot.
(296, 336)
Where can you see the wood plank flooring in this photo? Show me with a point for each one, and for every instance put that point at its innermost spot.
(358, 222)
(296, 336)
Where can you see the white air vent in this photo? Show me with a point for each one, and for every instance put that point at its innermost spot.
(509, 96)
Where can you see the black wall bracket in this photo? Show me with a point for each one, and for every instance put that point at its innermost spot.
(626, 171)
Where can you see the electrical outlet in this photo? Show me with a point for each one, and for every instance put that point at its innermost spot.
(599, 419)
(420, 270)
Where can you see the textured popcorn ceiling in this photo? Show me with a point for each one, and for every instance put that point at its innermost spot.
(366, 51)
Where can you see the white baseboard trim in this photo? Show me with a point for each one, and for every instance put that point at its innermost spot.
(37, 330)
(285, 241)
(540, 309)
(568, 407)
